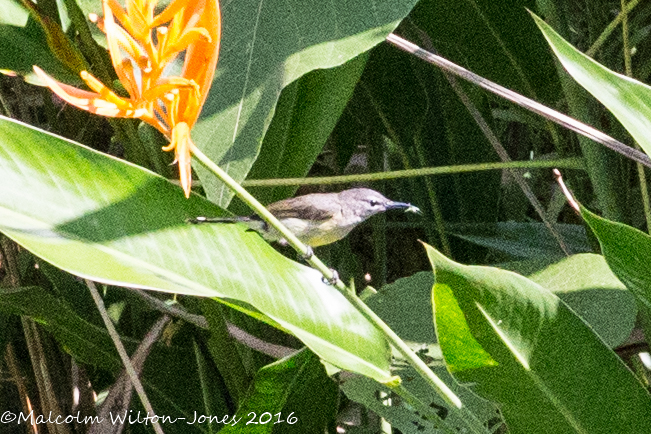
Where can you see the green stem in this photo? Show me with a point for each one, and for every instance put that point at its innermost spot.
(610, 28)
(439, 222)
(629, 72)
(128, 366)
(627, 49)
(434, 381)
(562, 163)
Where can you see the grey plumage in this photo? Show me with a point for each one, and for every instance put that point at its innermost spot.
(320, 218)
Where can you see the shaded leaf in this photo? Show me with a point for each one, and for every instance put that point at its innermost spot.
(523, 240)
(87, 342)
(406, 307)
(23, 47)
(627, 251)
(629, 100)
(292, 395)
(265, 46)
(586, 284)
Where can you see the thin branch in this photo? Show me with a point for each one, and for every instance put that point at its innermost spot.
(430, 377)
(610, 28)
(529, 104)
(564, 163)
(568, 195)
(128, 366)
(516, 175)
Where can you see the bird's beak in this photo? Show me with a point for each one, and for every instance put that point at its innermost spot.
(407, 207)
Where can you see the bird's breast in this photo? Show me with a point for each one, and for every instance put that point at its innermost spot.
(320, 233)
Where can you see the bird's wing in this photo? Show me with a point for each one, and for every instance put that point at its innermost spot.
(309, 207)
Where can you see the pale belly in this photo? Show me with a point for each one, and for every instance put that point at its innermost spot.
(316, 234)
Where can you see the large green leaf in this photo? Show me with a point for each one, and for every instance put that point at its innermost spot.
(628, 99)
(586, 284)
(265, 46)
(107, 220)
(627, 251)
(306, 113)
(528, 352)
(523, 240)
(282, 398)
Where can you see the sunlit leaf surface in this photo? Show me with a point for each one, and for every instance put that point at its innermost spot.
(110, 221)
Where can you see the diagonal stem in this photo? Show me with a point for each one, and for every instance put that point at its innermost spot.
(521, 100)
(128, 366)
(432, 379)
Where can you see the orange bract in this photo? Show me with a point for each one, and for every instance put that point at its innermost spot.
(169, 103)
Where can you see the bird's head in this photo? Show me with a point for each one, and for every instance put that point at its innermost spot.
(364, 202)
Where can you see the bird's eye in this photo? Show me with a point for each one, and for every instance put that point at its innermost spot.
(374, 203)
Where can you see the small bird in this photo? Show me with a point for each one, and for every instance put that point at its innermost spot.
(320, 218)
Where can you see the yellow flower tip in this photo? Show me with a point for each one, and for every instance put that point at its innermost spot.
(140, 112)
(38, 70)
(182, 143)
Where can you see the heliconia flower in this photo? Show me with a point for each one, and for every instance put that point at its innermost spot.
(150, 43)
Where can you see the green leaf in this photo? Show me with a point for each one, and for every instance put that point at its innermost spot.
(292, 395)
(629, 100)
(586, 284)
(110, 221)
(224, 351)
(13, 13)
(87, 342)
(177, 381)
(384, 402)
(523, 240)
(531, 354)
(627, 251)
(406, 307)
(265, 46)
(306, 114)
(23, 47)
(465, 32)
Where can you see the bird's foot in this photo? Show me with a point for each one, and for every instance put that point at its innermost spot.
(304, 257)
(333, 280)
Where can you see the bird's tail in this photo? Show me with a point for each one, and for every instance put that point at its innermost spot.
(201, 220)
